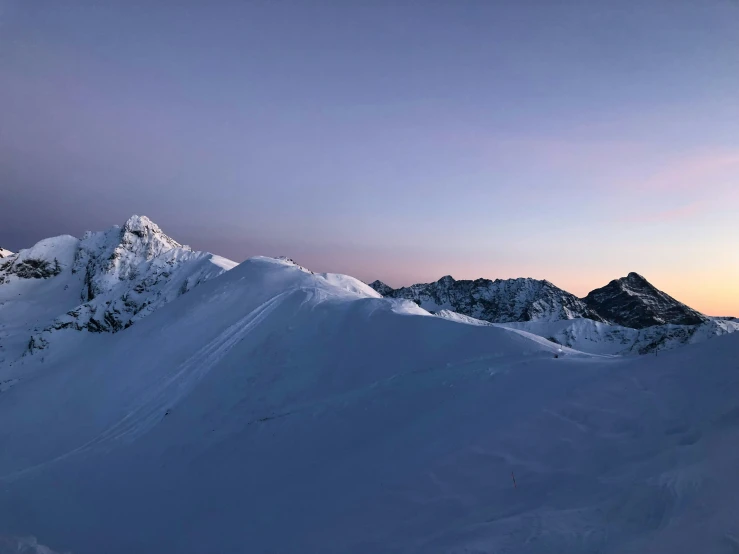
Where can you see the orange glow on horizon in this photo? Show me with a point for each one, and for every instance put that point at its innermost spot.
(711, 293)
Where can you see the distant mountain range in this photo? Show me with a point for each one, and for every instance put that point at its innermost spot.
(106, 281)
(499, 301)
(630, 301)
(628, 315)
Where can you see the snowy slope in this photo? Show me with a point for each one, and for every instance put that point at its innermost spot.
(274, 410)
(632, 301)
(5, 253)
(496, 301)
(103, 282)
(461, 318)
(603, 338)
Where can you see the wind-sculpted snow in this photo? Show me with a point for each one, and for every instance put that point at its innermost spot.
(275, 410)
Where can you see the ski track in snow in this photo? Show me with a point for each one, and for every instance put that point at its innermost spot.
(153, 407)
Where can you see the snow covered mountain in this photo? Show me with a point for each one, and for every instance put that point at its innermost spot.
(5, 253)
(634, 302)
(271, 409)
(496, 301)
(103, 282)
(629, 316)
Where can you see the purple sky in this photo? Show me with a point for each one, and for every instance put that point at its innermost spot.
(570, 140)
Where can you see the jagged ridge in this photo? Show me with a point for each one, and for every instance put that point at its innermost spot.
(628, 316)
(498, 301)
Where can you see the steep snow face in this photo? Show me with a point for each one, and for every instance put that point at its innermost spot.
(103, 282)
(123, 254)
(252, 413)
(496, 301)
(130, 272)
(5, 253)
(634, 302)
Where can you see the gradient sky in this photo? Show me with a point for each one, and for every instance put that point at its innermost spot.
(568, 140)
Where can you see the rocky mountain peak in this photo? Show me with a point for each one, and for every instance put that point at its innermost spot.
(140, 224)
(121, 274)
(381, 287)
(142, 236)
(634, 302)
(635, 278)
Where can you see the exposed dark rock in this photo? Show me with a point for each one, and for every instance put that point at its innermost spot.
(498, 301)
(634, 302)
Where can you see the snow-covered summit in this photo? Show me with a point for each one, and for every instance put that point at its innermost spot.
(634, 302)
(498, 301)
(103, 282)
(5, 253)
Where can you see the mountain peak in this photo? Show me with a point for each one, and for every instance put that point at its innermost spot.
(141, 235)
(140, 224)
(635, 277)
(634, 302)
(381, 287)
